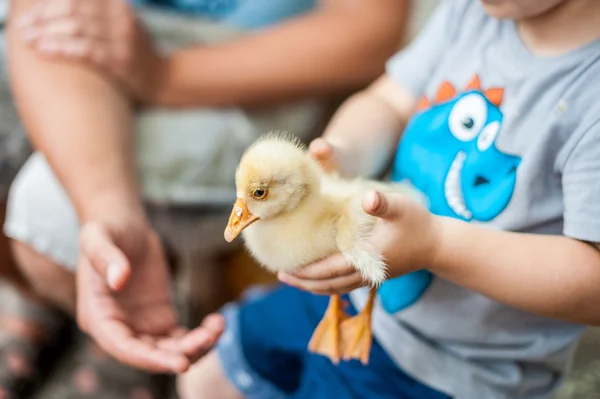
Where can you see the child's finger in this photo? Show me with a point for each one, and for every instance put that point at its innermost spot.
(330, 267)
(384, 206)
(323, 152)
(321, 149)
(338, 285)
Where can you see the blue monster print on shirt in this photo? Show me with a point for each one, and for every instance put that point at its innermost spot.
(449, 152)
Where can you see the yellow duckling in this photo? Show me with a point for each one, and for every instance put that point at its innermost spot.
(291, 213)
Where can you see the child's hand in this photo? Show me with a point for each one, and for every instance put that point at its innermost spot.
(406, 233)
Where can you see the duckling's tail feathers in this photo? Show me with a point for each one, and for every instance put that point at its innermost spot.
(368, 262)
(353, 240)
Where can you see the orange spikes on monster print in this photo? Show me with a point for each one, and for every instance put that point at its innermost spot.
(423, 103)
(474, 84)
(495, 96)
(446, 92)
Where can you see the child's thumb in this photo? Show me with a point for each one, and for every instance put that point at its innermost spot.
(322, 152)
(382, 206)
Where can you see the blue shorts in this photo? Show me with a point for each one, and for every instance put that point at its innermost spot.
(264, 353)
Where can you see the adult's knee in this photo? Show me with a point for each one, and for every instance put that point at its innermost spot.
(49, 280)
(43, 228)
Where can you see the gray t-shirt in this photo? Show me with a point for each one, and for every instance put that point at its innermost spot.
(510, 141)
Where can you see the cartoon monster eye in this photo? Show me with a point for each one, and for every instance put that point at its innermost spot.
(467, 117)
(259, 194)
(488, 136)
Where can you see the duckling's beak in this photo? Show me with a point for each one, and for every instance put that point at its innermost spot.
(240, 219)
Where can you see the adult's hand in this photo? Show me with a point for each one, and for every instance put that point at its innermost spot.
(125, 303)
(106, 34)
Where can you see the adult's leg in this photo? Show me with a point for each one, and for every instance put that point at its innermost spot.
(8, 270)
(29, 321)
(44, 228)
(25, 322)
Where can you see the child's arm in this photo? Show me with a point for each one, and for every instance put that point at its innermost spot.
(555, 276)
(548, 275)
(552, 276)
(365, 130)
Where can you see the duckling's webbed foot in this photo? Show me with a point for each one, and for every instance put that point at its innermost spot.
(357, 335)
(326, 339)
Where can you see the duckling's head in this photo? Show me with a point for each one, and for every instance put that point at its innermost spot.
(274, 176)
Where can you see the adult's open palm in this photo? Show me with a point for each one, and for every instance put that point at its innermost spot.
(125, 301)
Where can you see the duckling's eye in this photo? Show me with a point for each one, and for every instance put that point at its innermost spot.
(259, 193)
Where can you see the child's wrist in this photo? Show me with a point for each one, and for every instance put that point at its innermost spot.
(446, 230)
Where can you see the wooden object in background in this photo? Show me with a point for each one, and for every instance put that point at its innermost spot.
(242, 272)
